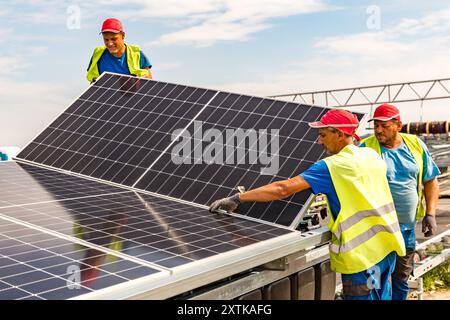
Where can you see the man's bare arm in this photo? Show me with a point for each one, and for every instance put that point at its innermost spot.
(275, 191)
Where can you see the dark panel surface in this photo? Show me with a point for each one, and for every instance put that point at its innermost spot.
(189, 143)
(117, 128)
(261, 141)
(24, 184)
(152, 229)
(37, 265)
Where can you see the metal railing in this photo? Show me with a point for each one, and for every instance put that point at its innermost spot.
(374, 95)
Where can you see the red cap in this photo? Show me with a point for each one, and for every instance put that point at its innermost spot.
(112, 25)
(386, 112)
(342, 120)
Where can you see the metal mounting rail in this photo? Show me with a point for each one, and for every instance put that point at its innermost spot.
(432, 261)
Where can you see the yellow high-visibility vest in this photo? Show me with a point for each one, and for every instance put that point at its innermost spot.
(366, 229)
(413, 144)
(133, 61)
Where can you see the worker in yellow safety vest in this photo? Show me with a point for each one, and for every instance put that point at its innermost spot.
(117, 56)
(412, 177)
(365, 231)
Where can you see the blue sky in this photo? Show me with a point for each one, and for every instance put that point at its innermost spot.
(259, 47)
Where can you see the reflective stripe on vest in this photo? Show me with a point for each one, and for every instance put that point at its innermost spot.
(413, 145)
(359, 240)
(133, 61)
(344, 225)
(366, 229)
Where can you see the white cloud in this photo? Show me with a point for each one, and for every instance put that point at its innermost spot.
(206, 22)
(438, 21)
(388, 56)
(6, 34)
(164, 66)
(236, 20)
(210, 33)
(4, 12)
(47, 12)
(11, 64)
(174, 8)
(198, 22)
(366, 45)
(28, 107)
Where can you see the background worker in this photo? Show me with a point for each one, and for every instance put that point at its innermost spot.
(411, 174)
(117, 56)
(364, 225)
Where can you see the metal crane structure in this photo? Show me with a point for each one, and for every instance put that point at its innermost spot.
(373, 95)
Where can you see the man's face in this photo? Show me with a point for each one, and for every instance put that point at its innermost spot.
(386, 131)
(328, 140)
(114, 42)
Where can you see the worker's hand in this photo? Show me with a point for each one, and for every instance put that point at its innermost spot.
(429, 222)
(228, 204)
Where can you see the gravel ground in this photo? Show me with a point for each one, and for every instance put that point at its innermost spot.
(437, 295)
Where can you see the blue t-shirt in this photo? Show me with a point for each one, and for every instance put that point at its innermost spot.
(319, 178)
(402, 175)
(110, 63)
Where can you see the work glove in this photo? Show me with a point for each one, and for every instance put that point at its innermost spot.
(429, 222)
(228, 204)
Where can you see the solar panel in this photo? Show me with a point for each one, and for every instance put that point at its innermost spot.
(291, 150)
(131, 131)
(117, 128)
(24, 184)
(38, 265)
(127, 130)
(160, 231)
(112, 239)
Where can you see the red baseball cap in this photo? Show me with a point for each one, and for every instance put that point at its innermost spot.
(112, 25)
(386, 112)
(342, 120)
